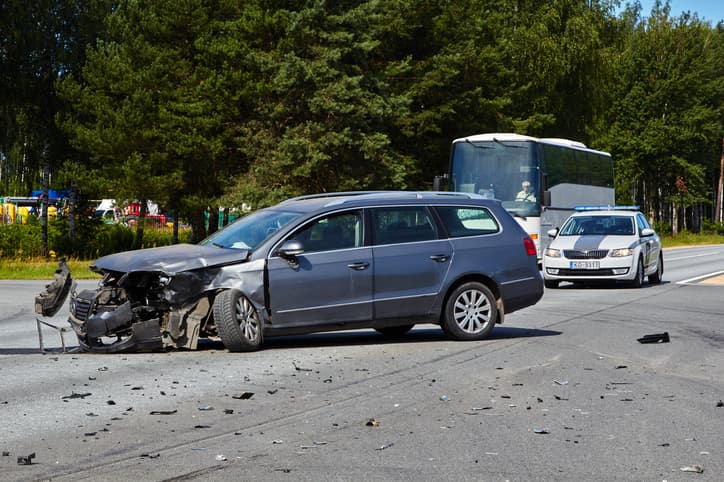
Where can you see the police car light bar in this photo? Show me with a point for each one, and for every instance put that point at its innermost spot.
(606, 208)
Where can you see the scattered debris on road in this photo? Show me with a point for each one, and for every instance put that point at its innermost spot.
(693, 468)
(26, 459)
(655, 338)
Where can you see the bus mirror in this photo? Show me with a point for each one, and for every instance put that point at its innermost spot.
(437, 181)
(546, 198)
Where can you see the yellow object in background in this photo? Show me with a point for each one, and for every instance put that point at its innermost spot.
(24, 214)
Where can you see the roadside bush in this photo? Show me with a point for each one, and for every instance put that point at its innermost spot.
(93, 239)
(711, 227)
(19, 240)
(663, 228)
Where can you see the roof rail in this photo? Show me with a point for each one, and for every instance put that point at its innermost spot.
(351, 196)
(607, 208)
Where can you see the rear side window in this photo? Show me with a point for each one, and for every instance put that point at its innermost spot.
(404, 224)
(467, 221)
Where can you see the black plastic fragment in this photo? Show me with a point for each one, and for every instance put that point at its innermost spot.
(655, 338)
(26, 459)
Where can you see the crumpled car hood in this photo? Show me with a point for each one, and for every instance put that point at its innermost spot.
(170, 259)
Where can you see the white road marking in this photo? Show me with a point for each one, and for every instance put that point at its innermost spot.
(692, 280)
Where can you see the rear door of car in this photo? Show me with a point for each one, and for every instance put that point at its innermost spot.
(410, 261)
(331, 282)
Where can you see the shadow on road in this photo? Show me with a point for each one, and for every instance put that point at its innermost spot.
(337, 338)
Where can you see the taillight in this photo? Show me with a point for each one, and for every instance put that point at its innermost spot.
(529, 247)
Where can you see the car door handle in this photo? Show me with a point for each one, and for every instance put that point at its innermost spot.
(358, 266)
(440, 258)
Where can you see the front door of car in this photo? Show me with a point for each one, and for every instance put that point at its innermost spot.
(650, 246)
(410, 261)
(330, 282)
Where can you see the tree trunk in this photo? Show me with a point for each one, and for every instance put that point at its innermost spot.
(718, 215)
(44, 202)
(138, 241)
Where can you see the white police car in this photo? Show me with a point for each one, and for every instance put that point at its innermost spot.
(603, 243)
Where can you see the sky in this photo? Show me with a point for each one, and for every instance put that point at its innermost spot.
(711, 10)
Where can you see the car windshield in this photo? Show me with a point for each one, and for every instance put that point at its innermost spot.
(598, 226)
(251, 230)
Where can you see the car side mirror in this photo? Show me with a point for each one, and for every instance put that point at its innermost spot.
(290, 249)
(646, 232)
(552, 233)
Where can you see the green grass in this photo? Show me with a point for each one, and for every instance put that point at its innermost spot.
(690, 239)
(40, 269)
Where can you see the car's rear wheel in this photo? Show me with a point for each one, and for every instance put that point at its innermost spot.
(638, 281)
(239, 325)
(470, 312)
(551, 283)
(656, 277)
(394, 330)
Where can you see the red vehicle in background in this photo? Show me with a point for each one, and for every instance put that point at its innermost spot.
(132, 212)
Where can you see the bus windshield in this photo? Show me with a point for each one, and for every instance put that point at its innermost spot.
(505, 170)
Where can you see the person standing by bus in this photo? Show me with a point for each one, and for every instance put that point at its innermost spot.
(525, 195)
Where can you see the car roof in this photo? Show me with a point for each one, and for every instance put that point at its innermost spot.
(314, 202)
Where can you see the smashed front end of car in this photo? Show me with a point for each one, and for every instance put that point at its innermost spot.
(150, 299)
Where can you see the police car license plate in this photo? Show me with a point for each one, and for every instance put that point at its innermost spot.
(584, 265)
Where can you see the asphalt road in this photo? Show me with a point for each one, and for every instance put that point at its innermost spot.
(562, 391)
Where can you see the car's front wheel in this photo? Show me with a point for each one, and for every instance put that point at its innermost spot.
(470, 312)
(638, 281)
(239, 325)
(656, 276)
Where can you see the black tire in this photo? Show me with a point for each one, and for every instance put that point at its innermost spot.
(656, 277)
(470, 312)
(551, 283)
(394, 330)
(240, 326)
(638, 281)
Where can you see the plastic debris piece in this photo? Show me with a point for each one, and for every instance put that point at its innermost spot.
(372, 423)
(221, 458)
(151, 456)
(76, 395)
(277, 442)
(202, 426)
(300, 369)
(6, 453)
(243, 396)
(720, 403)
(163, 412)
(618, 367)
(26, 459)
(560, 382)
(693, 468)
(541, 431)
(655, 338)
(385, 446)
(272, 391)
(205, 408)
(445, 398)
(228, 411)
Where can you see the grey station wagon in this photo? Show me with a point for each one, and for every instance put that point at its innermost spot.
(382, 260)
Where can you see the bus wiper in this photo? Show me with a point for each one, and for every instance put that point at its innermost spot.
(515, 146)
(516, 215)
(477, 146)
(218, 245)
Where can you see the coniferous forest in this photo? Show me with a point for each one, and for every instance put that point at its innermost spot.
(198, 103)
